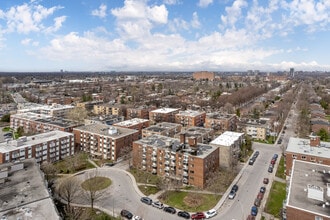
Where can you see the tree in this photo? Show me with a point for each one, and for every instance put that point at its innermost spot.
(126, 153)
(75, 162)
(49, 170)
(68, 189)
(91, 187)
(238, 112)
(77, 114)
(324, 136)
(5, 118)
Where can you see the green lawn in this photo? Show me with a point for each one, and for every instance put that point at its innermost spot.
(144, 177)
(96, 183)
(191, 202)
(280, 170)
(63, 166)
(148, 190)
(275, 199)
(6, 129)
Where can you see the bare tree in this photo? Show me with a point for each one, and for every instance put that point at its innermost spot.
(68, 189)
(49, 170)
(91, 185)
(75, 162)
(126, 153)
(77, 114)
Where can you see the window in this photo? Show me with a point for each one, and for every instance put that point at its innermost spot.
(318, 218)
(313, 159)
(303, 157)
(294, 156)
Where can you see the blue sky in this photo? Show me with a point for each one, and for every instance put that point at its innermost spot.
(164, 35)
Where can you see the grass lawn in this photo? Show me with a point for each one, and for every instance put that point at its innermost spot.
(275, 199)
(63, 167)
(191, 202)
(280, 169)
(144, 177)
(6, 129)
(96, 183)
(148, 190)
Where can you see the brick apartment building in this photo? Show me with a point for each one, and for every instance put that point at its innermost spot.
(204, 75)
(308, 193)
(135, 123)
(310, 150)
(102, 109)
(202, 135)
(54, 110)
(39, 123)
(221, 122)
(104, 119)
(50, 146)
(103, 141)
(165, 128)
(229, 144)
(88, 106)
(163, 115)
(190, 118)
(139, 112)
(190, 163)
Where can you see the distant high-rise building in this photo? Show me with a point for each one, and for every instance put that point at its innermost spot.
(291, 72)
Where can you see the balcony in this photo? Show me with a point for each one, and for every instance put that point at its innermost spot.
(154, 171)
(185, 167)
(154, 165)
(144, 162)
(185, 174)
(154, 158)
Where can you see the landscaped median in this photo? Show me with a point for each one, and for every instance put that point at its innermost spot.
(275, 199)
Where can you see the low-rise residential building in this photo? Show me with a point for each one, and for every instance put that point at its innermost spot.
(163, 115)
(164, 128)
(221, 122)
(50, 146)
(229, 144)
(311, 150)
(139, 112)
(204, 75)
(317, 124)
(257, 129)
(190, 118)
(23, 192)
(190, 163)
(135, 123)
(54, 110)
(103, 141)
(308, 194)
(102, 109)
(89, 106)
(104, 119)
(202, 135)
(39, 123)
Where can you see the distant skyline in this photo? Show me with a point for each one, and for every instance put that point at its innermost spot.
(164, 35)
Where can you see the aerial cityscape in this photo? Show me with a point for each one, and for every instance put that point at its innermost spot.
(164, 109)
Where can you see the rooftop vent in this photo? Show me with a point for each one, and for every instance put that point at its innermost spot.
(315, 192)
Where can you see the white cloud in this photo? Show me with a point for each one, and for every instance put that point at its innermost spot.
(57, 24)
(233, 12)
(27, 18)
(204, 3)
(172, 2)
(101, 12)
(26, 41)
(195, 21)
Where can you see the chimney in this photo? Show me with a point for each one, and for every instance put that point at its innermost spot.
(314, 140)
(183, 138)
(192, 141)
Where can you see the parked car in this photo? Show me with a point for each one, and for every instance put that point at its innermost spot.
(262, 189)
(234, 188)
(184, 214)
(198, 215)
(260, 195)
(211, 213)
(266, 181)
(270, 169)
(251, 161)
(257, 202)
(272, 161)
(251, 217)
(254, 211)
(232, 194)
(127, 214)
(275, 156)
(169, 209)
(146, 200)
(279, 141)
(158, 204)
(136, 217)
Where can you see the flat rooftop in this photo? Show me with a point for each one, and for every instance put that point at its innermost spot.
(165, 110)
(313, 174)
(162, 127)
(174, 144)
(190, 113)
(24, 195)
(106, 130)
(197, 131)
(215, 115)
(227, 138)
(302, 146)
(23, 142)
(131, 122)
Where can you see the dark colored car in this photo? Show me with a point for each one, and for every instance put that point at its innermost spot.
(146, 200)
(127, 214)
(234, 188)
(270, 169)
(198, 215)
(273, 161)
(170, 209)
(262, 189)
(254, 211)
(260, 195)
(266, 181)
(251, 161)
(279, 141)
(250, 217)
(184, 214)
(275, 156)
